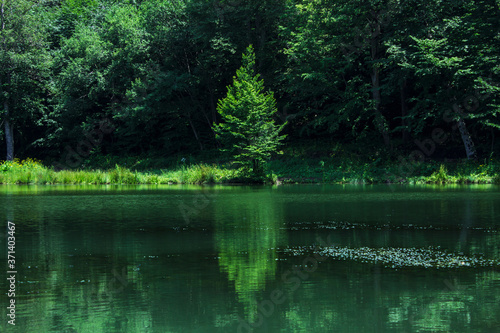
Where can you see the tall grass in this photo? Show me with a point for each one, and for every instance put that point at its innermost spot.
(377, 170)
(34, 172)
(284, 170)
(206, 174)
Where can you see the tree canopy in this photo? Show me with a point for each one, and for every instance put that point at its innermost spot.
(382, 74)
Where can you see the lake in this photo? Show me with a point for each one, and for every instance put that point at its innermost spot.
(294, 258)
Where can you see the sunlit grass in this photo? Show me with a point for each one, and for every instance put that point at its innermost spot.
(284, 170)
(34, 172)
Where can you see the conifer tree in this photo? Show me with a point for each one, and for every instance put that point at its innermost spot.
(248, 130)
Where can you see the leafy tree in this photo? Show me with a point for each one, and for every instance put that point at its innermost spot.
(333, 74)
(24, 65)
(351, 71)
(99, 67)
(196, 45)
(247, 110)
(449, 53)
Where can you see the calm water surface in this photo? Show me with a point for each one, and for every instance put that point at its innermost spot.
(217, 259)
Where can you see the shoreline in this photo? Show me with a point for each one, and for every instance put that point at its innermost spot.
(32, 172)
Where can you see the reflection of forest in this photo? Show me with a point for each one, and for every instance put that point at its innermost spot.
(70, 274)
(247, 244)
(345, 297)
(96, 299)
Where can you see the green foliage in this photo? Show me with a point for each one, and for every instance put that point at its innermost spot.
(289, 169)
(24, 69)
(121, 175)
(205, 174)
(342, 72)
(249, 131)
(440, 176)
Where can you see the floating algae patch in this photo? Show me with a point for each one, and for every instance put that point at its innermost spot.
(340, 225)
(393, 257)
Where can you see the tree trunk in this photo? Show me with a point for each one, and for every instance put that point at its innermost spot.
(261, 33)
(195, 132)
(256, 168)
(9, 138)
(470, 149)
(213, 108)
(492, 139)
(404, 112)
(380, 121)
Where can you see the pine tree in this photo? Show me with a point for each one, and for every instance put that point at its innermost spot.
(248, 130)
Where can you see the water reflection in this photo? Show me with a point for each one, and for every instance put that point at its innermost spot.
(97, 259)
(247, 244)
(64, 289)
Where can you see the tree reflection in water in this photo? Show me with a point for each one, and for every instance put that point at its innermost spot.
(247, 244)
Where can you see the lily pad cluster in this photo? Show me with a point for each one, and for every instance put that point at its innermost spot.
(341, 225)
(393, 257)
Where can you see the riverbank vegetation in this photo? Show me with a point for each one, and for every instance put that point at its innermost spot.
(286, 170)
(355, 90)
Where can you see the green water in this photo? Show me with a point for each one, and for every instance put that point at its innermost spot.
(218, 259)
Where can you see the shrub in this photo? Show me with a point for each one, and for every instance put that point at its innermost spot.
(440, 176)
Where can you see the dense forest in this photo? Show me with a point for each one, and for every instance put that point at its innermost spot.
(132, 77)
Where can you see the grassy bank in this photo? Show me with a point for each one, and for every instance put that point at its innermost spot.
(34, 172)
(378, 171)
(283, 170)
